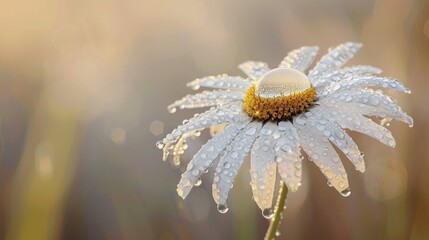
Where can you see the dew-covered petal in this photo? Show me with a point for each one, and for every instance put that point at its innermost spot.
(362, 81)
(206, 99)
(231, 160)
(300, 59)
(356, 122)
(181, 145)
(263, 167)
(321, 152)
(288, 155)
(332, 131)
(367, 102)
(222, 82)
(204, 158)
(333, 60)
(229, 113)
(254, 70)
(341, 74)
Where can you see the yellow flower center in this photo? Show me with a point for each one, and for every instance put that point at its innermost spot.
(279, 94)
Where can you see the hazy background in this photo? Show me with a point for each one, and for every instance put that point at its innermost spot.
(84, 87)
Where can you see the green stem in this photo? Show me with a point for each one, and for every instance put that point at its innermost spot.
(274, 224)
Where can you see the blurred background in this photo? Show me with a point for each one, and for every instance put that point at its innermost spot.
(84, 87)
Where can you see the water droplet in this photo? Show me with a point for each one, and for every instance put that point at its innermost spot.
(346, 192)
(186, 181)
(385, 122)
(349, 99)
(195, 172)
(282, 82)
(340, 135)
(268, 213)
(329, 183)
(282, 129)
(300, 121)
(190, 166)
(227, 165)
(172, 110)
(222, 208)
(251, 131)
(276, 135)
(198, 182)
(160, 145)
(278, 233)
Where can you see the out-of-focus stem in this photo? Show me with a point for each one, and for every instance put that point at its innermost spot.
(45, 170)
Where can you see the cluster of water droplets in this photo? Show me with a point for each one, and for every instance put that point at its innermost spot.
(321, 152)
(333, 60)
(254, 70)
(367, 102)
(206, 99)
(288, 158)
(328, 79)
(356, 122)
(231, 160)
(300, 59)
(316, 122)
(229, 113)
(204, 158)
(263, 166)
(221, 82)
(362, 81)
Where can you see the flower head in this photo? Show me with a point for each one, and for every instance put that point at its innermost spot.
(274, 114)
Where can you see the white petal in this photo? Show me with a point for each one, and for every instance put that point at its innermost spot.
(180, 146)
(227, 114)
(263, 167)
(231, 160)
(254, 70)
(340, 75)
(367, 102)
(206, 99)
(358, 82)
(334, 59)
(204, 158)
(221, 81)
(300, 59)
(288, 155)
(325, 157)
(356, 122)
(337, 136)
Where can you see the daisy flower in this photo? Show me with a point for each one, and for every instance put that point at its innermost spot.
(274, 114)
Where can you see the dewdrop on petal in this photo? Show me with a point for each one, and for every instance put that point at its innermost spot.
(282, 82)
